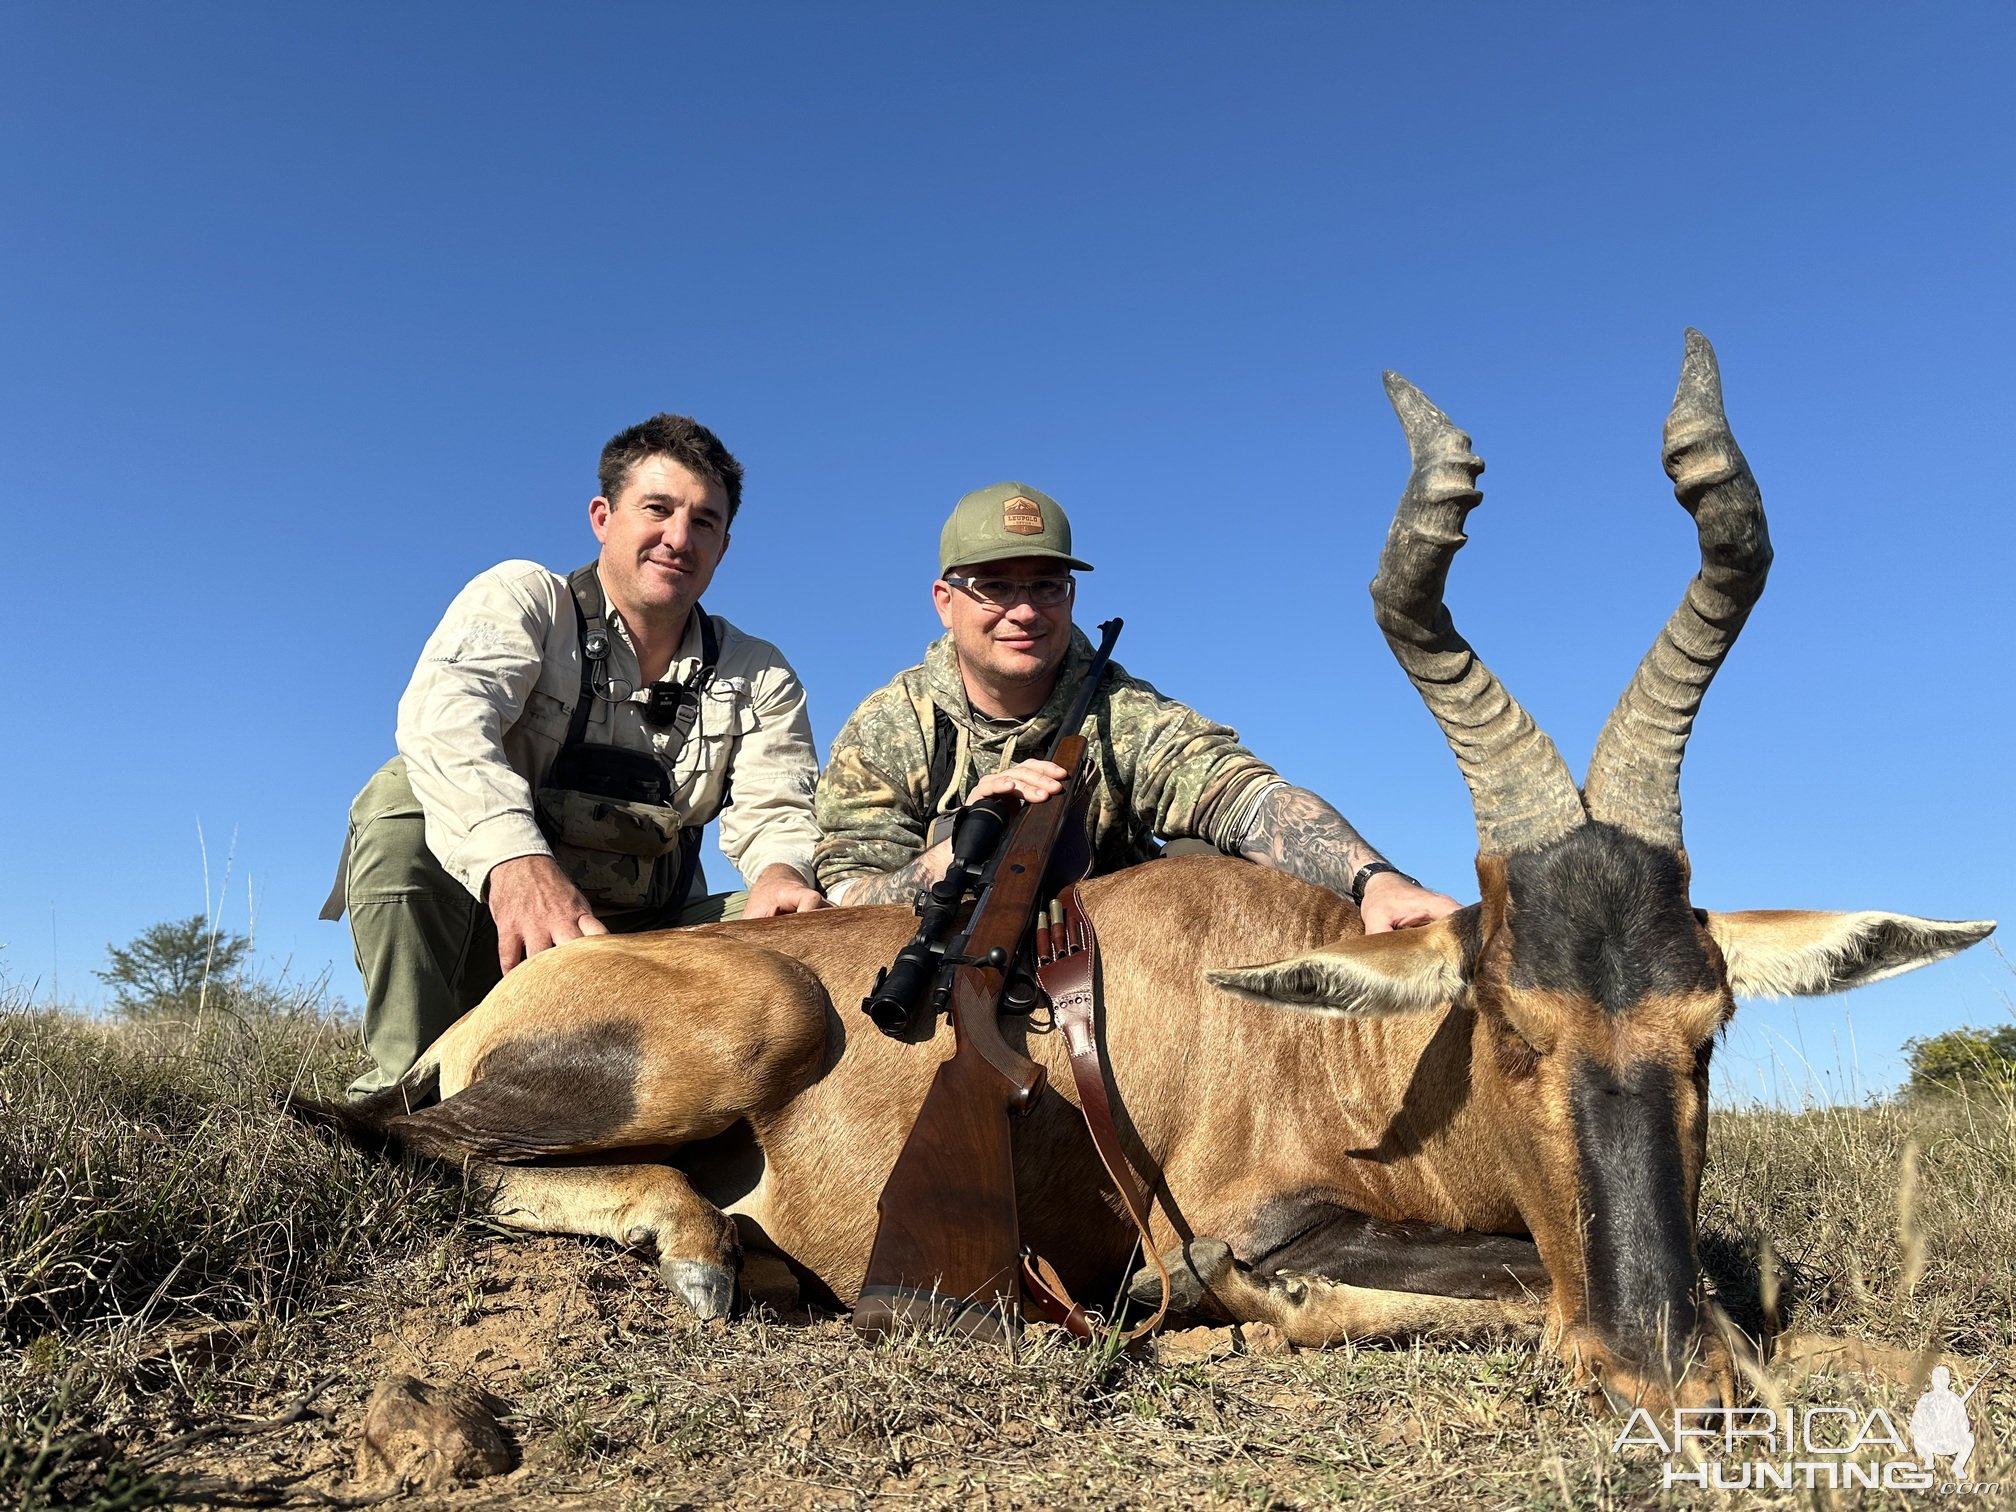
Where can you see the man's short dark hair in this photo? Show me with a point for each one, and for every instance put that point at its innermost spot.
(683, 439)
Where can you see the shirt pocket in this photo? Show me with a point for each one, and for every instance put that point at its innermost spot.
(726, 715)
(543, 726)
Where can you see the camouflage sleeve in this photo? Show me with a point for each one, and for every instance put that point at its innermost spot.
(869, 798)
(1187, 778)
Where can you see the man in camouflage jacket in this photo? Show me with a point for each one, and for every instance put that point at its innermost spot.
(972, 720)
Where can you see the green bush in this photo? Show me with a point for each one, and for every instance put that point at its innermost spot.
(48, 1459)
(173, 967)
(1961, 1059)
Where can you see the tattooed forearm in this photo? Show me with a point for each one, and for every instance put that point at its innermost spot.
(1296, 832)
(900, 885)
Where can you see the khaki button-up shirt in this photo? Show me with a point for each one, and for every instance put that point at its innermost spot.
(488, 707)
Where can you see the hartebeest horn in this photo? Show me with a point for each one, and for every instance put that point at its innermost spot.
(1634, 777)
(1519, 785)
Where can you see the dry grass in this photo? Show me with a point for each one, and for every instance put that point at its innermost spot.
(196, 1297)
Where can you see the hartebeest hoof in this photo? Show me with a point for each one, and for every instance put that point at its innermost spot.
(704, 1286)
(1193, 1267)
(1315, 1311)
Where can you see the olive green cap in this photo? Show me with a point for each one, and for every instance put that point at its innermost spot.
(1007, 520)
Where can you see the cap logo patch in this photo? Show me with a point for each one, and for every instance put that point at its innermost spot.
(1020, 516)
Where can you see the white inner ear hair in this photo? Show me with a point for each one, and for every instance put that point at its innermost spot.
(1343, 984)
(1808, 954)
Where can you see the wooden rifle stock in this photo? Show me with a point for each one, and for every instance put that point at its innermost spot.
(948, 1249)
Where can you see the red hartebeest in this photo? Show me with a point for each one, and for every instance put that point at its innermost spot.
(1500, 1117)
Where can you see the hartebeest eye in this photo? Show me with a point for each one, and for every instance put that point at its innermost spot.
(1517, 1056)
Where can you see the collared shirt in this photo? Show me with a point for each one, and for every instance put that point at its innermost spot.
(488, 706)
(1159, 770)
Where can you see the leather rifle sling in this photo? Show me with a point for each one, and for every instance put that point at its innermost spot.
(1067, 969)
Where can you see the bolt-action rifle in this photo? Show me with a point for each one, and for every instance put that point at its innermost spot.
(948, 1249)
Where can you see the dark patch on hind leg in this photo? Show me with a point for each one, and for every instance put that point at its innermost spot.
(1311, 1234)
(535, 1095)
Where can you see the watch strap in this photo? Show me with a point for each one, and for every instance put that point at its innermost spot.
(1370, 870)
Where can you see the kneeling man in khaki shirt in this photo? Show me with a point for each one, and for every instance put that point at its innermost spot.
(561, 744)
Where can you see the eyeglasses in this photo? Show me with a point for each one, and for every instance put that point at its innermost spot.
(1005, 593)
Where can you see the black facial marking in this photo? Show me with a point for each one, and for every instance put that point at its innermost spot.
(1315, 1235)
(1604, 916)
(1641, 1272)
(1469, 926)
(535, 1095)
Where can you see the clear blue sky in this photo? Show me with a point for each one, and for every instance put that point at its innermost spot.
(312, 313)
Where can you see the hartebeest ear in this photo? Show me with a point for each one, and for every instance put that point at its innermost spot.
(1795, 953)
(1405, 971)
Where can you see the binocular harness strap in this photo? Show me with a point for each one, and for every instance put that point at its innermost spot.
(591, 624)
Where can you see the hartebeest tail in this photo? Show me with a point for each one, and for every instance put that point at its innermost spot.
(379, 1123)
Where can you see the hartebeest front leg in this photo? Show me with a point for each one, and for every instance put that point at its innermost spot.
(649, 1207)
(1314, 1311)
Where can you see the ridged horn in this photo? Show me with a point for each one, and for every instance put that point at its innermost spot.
(1519, 786)
(1634, 777)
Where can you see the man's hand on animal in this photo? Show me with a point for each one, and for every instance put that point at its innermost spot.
(1330, 850)
(780, 890)
(1395, 902)
(536, 907)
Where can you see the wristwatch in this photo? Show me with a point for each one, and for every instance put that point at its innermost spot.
(1372, 869)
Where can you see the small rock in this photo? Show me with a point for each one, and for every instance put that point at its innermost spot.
(429, 1437)
(1188, 1344)
(199, 1344)
(1264, 1339)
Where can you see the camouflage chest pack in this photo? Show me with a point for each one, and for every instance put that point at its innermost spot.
(607, 811)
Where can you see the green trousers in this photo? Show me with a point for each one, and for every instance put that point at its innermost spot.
(427, 950)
